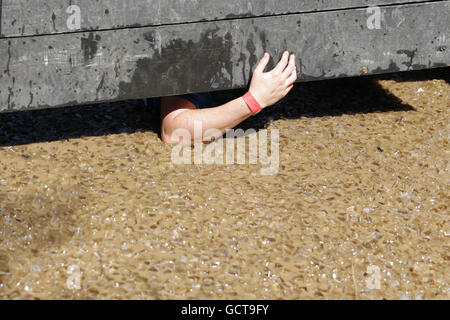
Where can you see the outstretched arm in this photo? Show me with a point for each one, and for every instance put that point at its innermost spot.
(266, 87)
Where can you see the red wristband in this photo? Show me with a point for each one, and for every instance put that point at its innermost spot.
(254, 106)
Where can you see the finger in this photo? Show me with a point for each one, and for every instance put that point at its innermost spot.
(282, 64)
(263, 63)
(291, 66)
(292, 78)
(288, 89)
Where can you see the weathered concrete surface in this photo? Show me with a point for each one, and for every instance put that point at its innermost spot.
(33, 17)
(79, 68)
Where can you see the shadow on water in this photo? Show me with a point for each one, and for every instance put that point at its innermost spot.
(313, 99)
(47, 125)
(343, 96)
(420, 75)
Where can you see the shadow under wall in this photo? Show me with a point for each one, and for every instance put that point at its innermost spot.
(313, 99)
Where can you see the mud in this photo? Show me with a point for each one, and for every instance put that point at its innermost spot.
(92, 208)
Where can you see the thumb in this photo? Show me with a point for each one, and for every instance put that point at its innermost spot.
(263, 63)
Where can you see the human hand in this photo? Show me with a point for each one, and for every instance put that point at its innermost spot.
(270, 87)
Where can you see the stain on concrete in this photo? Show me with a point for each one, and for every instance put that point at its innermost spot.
(54, 22)
(89, 46)
(410, 54)
(182, 65)
(391, 68)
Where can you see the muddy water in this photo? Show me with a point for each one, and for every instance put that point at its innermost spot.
(91, 206)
